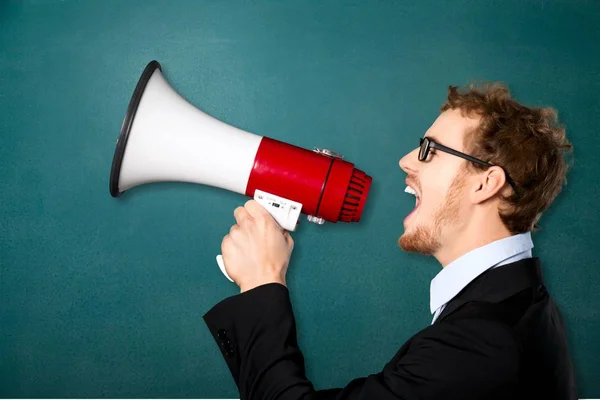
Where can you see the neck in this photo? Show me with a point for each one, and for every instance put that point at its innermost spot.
(477, 233)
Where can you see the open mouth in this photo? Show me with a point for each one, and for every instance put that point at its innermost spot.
(412, 191)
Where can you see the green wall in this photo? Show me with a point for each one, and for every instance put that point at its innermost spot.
(104, 297)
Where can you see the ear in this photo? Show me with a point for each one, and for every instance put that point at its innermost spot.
(487, 184)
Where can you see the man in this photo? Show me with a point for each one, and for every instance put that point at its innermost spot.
(483, 174)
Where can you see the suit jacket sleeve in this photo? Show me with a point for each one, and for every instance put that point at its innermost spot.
(256, 333)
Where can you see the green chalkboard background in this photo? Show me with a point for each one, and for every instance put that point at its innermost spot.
(104, 297)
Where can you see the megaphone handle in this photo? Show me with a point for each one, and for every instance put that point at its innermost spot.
(286, 212)
(222, 267)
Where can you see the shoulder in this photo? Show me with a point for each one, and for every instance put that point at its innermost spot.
(466, 358)
(465, 351)
(489, 334)
(482, 327)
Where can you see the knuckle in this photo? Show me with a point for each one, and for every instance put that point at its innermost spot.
(263, 215)
(262, 222)
(241, 215)
(225, 241)
(234, 232)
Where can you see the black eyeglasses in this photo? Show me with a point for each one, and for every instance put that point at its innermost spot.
(426, 144)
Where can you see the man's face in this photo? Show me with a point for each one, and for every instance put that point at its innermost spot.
(440, 183)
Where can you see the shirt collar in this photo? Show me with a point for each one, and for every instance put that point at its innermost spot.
(460, 272)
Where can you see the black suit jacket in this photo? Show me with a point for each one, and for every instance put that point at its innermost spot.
(501, 337)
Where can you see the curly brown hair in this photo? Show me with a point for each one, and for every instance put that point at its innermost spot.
(527, 142)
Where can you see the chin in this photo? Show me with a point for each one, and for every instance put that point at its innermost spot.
(419, 240)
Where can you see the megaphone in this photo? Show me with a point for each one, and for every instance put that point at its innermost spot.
(165, 138)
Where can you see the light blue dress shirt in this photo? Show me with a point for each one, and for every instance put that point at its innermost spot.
(460, 272)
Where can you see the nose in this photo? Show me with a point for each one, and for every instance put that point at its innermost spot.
(409, 162)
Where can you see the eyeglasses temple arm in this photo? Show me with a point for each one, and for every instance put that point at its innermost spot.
(475, 160)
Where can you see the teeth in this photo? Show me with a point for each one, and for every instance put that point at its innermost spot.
(410, 190)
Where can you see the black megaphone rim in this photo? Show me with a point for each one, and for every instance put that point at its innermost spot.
(115, 171)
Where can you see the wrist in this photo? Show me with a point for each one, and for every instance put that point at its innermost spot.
(246, 286)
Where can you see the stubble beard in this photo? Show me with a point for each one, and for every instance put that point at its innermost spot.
(427, 239)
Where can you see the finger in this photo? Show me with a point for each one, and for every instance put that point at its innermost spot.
(255, 210)
(225, 242)
(241, 215)
(235, 233)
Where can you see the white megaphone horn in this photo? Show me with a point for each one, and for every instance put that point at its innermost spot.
(165, 138)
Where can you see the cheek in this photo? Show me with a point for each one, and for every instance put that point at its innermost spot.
(436, 183)
(433, 196)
